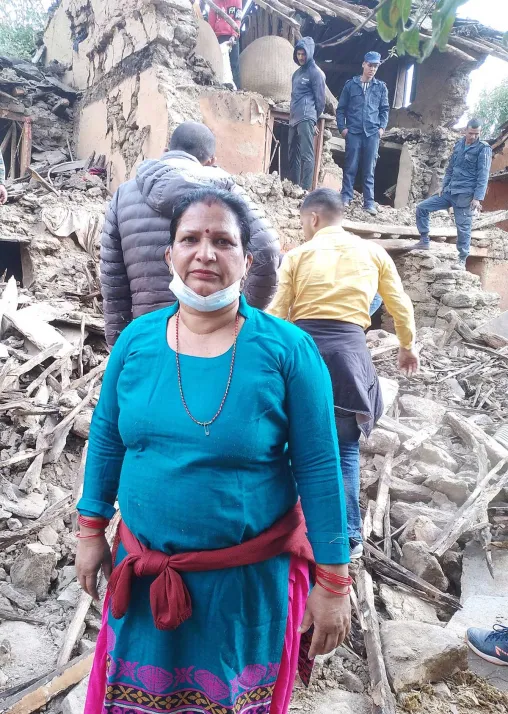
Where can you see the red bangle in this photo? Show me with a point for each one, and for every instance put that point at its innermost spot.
(333, 577)
(88, 522)
(339, 594)
(94, 535)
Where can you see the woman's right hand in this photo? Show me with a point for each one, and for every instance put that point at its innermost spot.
(92, 554)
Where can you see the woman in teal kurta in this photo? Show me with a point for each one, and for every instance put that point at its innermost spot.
(183, 487)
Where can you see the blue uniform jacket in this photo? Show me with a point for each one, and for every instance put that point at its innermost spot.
(468, 169)
(308, 87)
(363, 112)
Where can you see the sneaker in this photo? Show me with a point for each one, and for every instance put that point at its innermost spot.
(421, 245)
(491, 645)
(356, 551)
(372, 210)
(459, 265)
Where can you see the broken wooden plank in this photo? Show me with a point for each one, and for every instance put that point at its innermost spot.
(399, 230)
(382, 695)
(18, 458)
(36, 331)
(58, 510)
(37, 360)
(44, 690)
(472, 433)
(383, 491)
(20, 617)
(417, 440)
(49, 370)
(465, 516)
(95, 372)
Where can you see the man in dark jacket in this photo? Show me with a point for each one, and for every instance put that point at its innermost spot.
(307, 105)
(134, 276)
(362, 116)
(464, 187)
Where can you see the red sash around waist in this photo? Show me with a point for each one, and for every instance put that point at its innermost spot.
(169, 598)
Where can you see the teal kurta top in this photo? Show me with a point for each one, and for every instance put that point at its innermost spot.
(181, 490)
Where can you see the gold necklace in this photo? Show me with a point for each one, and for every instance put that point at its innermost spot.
(204, 424)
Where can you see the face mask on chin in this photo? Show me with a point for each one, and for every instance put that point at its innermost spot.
(208, 303)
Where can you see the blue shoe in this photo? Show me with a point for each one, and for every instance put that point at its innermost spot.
(491, 645)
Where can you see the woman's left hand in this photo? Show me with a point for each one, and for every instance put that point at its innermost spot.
(331, 616)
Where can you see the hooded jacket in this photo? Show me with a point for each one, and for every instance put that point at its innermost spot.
(134, 276)
(308, 87)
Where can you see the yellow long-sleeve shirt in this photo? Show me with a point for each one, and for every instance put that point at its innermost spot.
(335, 276)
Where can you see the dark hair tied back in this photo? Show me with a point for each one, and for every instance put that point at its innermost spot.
(210, 197)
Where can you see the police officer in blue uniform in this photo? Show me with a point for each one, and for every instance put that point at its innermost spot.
(464, 187)
(362, 116)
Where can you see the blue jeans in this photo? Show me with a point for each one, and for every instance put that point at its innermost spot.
(461, 204)
(349, 450)
(375, 304)
(364, 147)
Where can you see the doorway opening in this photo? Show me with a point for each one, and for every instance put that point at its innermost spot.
(277, 146)
(386, 174)
(11, 264)
(15, 143)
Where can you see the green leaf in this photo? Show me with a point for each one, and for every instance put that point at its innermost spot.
(385, 30)
(404, 9)
(394, 13)
(401, 45)
(412, 42)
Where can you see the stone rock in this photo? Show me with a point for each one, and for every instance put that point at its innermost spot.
(3, 679)
(33, 568)
(335, 700)
(56, 494)
(14, 524)
(31, 506)
(417, 558)
(401, 490)
(422, 408)
(81, 426)
(459, 299)
(451, 562)
(69, 597)
(420, 528)
(74, 702)
(48, 536)
(389, 391)
(23, 599)
(401, 513)
(436, 456)
(380, 442)
(5, 652)
(416, 653)
(455, 388)
(452, 487)
(350, 681)
(401, 605)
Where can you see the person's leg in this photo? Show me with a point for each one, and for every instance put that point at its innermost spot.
(234, 58)
(464, 223)
(306, 134)
(294, 155)
(369, 161)
(352, 159)
(349, 450)
(423, 211)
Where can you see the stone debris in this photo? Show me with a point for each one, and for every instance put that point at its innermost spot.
(417, 653)
(74, 702)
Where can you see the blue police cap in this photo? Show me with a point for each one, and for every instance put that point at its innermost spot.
(373, 57)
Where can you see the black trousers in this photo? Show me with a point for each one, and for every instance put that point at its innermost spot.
(234, 58)
(301, 154)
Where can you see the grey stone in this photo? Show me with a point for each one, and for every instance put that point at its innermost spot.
(65, 576)
(459, 299)
(380, 442)
(69, 597)
(452, 487)
(417, 558)
(401, 513)
(74, 702)
(435, 455)
(14, 524)
(5, 652)
(494, 674)
(401, 605)
(335, 700)
(401, 490)
(455, 388)
(81, 426)
(476, 579)
(479, 611)
(350, 681)
(48, 536)
(420, 528)
(32, 506)
(389, 391)
(24, 599)
(32, 569)
(422, 408)
(416, 653)
(433, 470)
(3, 678)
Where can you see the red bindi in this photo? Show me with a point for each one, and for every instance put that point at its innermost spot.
(207, 230)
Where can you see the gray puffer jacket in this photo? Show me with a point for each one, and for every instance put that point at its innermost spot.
(134, 276)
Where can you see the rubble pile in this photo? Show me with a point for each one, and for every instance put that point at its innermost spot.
(40, 94)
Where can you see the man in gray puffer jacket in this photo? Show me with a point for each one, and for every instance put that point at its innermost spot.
(134, 276)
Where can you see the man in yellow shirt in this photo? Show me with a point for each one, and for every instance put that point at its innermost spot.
(326, 287)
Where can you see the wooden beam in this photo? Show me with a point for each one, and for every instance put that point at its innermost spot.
(14, 136)
(398, 230)
(279, 9)
(47, 688)
(26, 147)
